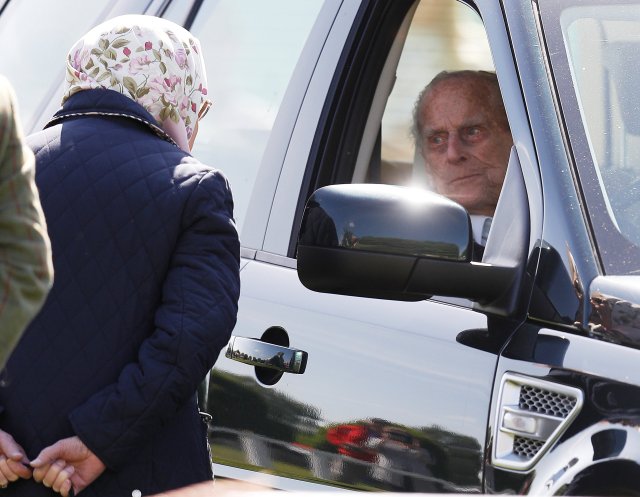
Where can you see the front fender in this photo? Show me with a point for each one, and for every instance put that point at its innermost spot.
(601, 460)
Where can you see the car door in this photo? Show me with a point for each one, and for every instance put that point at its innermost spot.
(394, 395)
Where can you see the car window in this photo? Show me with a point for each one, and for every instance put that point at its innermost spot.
(34, 62)
(444, 35)
(595, 55)
(365, 132)
(429, 37)
(600, 43)
(251, 48)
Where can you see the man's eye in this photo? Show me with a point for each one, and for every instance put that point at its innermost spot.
(436, 140)
(473, 131)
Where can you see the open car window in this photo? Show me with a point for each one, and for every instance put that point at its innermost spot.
(440, 35)
(430, 37)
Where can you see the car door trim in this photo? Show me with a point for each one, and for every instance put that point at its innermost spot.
(268, 257)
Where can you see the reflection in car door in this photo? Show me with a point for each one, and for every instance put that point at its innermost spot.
(381, 405)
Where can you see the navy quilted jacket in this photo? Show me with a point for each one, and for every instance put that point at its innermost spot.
(146, 259)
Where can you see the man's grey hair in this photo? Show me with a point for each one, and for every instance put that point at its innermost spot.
(489, 77)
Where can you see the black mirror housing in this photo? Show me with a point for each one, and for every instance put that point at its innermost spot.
(391, 242)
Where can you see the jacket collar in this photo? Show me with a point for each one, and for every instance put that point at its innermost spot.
(99, 102)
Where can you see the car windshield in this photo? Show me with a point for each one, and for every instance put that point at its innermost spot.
(594, 49)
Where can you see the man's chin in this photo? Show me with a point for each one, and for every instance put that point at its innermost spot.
(472, 205)
(467, 201)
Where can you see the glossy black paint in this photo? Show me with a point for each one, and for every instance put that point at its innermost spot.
(557, 295)
(387, 219)
(599, 453)
(324, 426)
(615, 309)
(392, 242)
(561, 263)
(350, 233)
(375, 366)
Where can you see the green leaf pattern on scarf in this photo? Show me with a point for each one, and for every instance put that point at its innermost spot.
(158, 68)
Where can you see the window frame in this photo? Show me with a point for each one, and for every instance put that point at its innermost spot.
(340, 128)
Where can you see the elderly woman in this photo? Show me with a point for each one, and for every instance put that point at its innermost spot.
(100, 394)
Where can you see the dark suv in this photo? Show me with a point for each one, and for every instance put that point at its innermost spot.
(408, 366)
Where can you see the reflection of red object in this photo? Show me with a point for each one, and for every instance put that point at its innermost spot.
(350, 440)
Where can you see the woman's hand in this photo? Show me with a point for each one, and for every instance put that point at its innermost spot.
(67, 464)
(56, 475)
(13, 460)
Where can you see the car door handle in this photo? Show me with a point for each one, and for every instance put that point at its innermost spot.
(266, 355)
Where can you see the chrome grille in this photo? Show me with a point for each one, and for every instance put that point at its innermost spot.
(526, 447)
(531, 415)
(546, 402)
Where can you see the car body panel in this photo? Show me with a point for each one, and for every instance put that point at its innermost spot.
(340, 331)
(611, 393)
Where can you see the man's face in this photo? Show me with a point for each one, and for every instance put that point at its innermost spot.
(465, 144)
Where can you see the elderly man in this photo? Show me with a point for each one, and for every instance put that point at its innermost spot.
(461, 130)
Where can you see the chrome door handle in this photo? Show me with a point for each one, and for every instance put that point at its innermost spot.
(266, 355)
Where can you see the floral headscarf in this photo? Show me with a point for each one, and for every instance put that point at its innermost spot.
(149, 59)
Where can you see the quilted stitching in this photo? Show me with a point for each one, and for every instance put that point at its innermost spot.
(127, 212)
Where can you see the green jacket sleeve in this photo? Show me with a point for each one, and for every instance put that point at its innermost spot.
(26, 270)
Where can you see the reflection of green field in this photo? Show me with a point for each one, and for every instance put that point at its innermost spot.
(409, 247)
(233, 457)
(228, 456)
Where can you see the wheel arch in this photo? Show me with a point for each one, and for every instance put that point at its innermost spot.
(603, 459)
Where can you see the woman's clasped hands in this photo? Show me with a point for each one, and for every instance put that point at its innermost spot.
(67, 466)
(14, 463)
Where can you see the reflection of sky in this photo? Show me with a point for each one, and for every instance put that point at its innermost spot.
(251, 48)
(394, 360)
(32, 61)
(421, 212)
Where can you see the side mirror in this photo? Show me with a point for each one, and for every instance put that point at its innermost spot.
(392, 242)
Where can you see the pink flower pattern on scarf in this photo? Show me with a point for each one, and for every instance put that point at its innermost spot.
(151, 60)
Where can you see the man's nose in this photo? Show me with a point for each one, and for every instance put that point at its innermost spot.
(455, 149)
